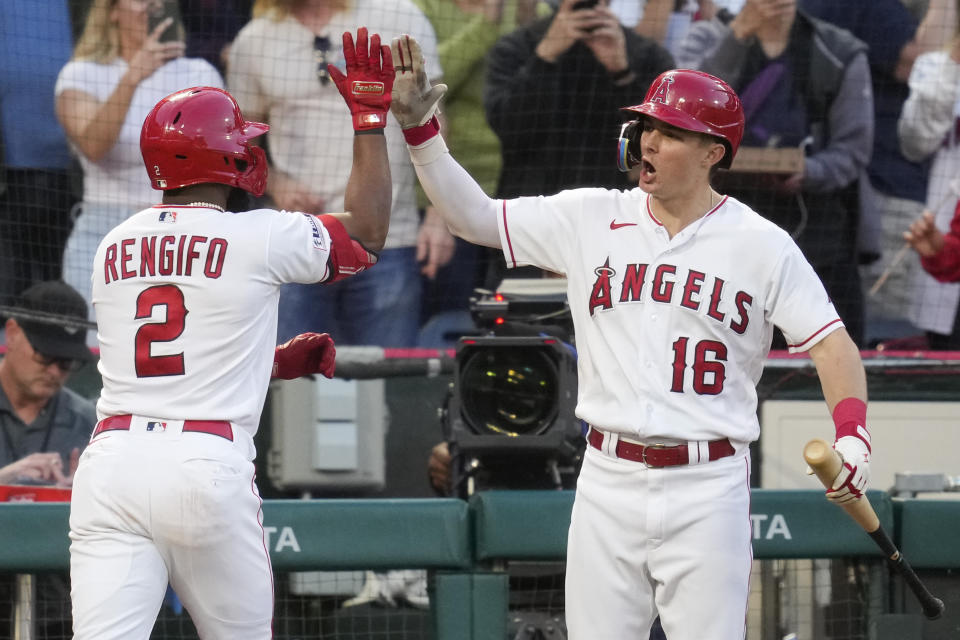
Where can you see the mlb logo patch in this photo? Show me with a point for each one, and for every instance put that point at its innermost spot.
(167, 216)
(157, 426)
(319, 242)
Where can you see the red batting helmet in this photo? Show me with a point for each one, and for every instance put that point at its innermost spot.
(199, 135)
(695, 101)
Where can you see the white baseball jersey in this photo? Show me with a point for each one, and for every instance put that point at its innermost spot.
(186, 298)
(672, 333)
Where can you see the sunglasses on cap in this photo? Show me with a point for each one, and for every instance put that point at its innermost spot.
(322, 56)
(64, 364)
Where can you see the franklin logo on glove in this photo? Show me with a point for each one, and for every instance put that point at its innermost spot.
(367, 87)
(369, 97)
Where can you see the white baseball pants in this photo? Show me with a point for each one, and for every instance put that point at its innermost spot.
(673, 541)
(150, 507)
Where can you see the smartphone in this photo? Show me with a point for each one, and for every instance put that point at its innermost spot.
(160, 10)
(584, 4)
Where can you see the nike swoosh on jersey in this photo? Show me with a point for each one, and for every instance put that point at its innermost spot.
(616, 225)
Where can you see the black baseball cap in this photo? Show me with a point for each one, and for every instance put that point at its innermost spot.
(63, 340)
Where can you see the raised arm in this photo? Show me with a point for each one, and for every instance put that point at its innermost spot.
(366, 88)
(938, 25)
(466, 209)
(93, 126)
(927, 116)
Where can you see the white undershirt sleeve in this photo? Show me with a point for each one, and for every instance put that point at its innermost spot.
(468, 211)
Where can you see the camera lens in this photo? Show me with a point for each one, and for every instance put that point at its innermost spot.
(509, 391)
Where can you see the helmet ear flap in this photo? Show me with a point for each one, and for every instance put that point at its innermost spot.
(254, 179)
(628, 146)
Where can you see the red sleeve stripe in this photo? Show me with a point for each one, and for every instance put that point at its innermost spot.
(506, 232)
(815, 334)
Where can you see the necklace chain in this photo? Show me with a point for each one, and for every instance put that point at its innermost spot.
(206, 204)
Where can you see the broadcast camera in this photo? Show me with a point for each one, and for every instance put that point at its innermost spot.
(509, 414)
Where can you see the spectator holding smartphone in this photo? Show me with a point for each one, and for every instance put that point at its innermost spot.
(582, 64)
(120, 68)
(553, 94)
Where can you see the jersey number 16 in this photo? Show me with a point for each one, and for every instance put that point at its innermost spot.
(708, 373)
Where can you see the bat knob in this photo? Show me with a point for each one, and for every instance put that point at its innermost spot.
(933, 609)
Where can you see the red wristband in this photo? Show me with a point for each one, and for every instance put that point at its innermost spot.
(415, 136)
(850, 419)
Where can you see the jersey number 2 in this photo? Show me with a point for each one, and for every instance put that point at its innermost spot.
(169, 296)
(708, 375)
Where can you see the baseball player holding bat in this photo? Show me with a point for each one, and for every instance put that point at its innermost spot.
(674, 290)
(186, 297)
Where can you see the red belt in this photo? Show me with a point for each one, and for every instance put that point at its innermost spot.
(658, 455)
(213, 427)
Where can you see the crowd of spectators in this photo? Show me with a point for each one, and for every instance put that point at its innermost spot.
(928, 132)
(532, 107)
(118, 71)
(868, 90)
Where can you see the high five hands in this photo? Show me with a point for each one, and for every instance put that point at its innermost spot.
(415, 103)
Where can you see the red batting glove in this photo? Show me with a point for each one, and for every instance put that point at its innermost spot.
(306, 354)
(369, 81)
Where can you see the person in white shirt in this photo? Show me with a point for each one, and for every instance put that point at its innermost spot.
(118, 72)
(277, 72)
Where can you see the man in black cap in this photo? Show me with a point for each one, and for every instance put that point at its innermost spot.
(43, 425)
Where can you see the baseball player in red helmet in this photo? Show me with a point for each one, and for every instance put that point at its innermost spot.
(186, 297)
(674, 290)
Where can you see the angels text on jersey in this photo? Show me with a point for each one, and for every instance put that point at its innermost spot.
(663, 284)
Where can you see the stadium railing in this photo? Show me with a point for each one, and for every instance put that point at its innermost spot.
(468, 549)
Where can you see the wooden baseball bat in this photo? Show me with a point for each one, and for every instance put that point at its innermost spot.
(826, 464)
